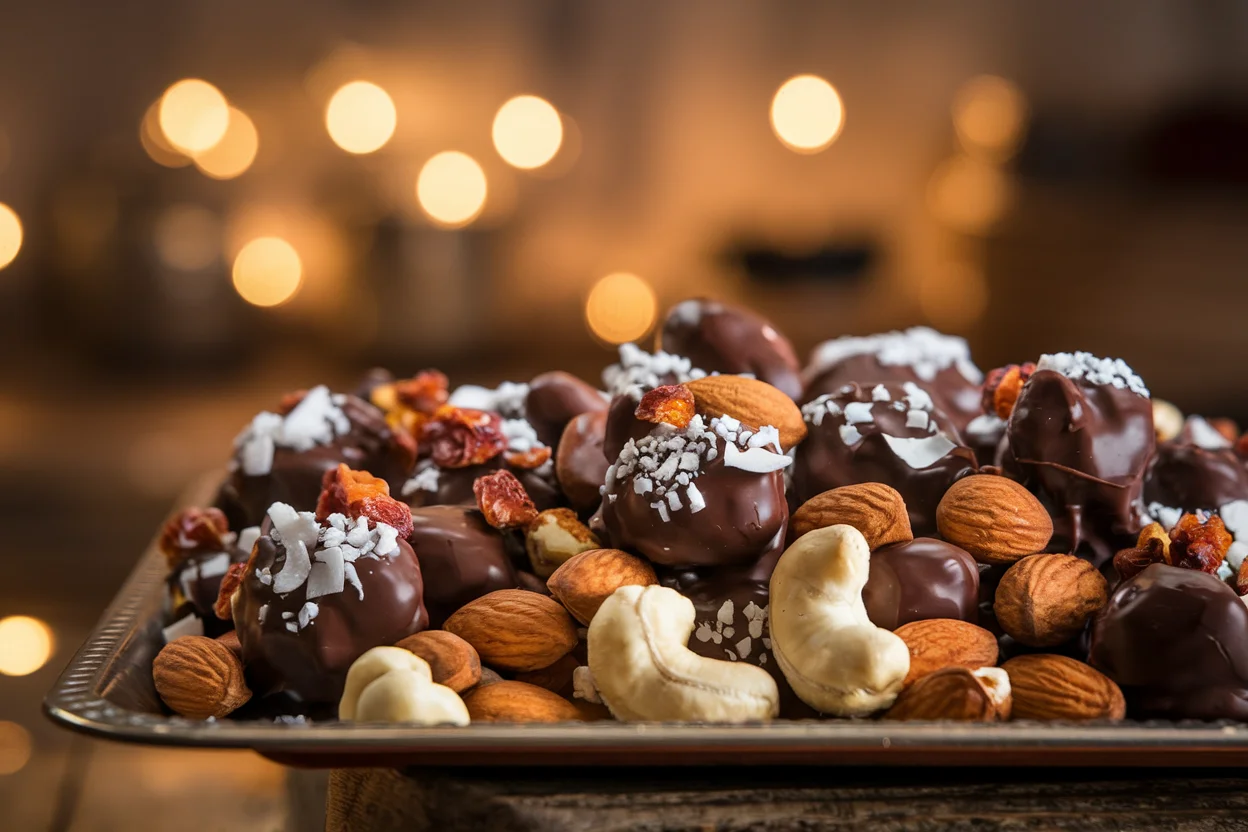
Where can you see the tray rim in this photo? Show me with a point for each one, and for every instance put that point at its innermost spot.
(77, 703)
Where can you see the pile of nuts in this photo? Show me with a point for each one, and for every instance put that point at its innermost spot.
(704, 546)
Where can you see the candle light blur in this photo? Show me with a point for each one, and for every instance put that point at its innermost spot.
(154, 142)
(193, 115)
(188, 237)
(361, 117)
(451, 189)
(969, 194)
(267, 272)
(807, 114)
(990, 116)
(527, 132)
(621, 307)
(15, 747)
(10, 235)
(234, 153)
(26, 644)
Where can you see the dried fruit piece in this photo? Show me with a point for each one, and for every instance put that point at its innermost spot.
(1152, 546)
(670, 404)
(409, 403)
(360, 494)
(1045, 600)
(503, 500)
(1227, 427)
(1002, 386)
(530, 459)
(199, 678)
(459, 437)
(1199, 545)
(1056, 687)
(1241, 580)
(224, 608)
(193, 530)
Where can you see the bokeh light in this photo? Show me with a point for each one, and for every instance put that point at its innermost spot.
(25, 645)
(990, 116)
(969, 194)
(953, 296)
(188, 237)
(154, 142)
(807, 114)
(10, 235)
(193, 115)
(267, 272)
(527, 132)
(360, 117)
(451, 188)
(15, 747)
(621, 307)
(237, 149)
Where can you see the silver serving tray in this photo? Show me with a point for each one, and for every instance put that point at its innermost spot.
(107, 691)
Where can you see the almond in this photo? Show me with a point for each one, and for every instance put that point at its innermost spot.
(453, 661)
(994, 518)
(554, 536)
(873, 508)
(1056, 687)
(557, 678)
(1044, 600)
(515, 629)
(584, 581)
(519, 702)
(938, 643)
(954, 693)
(199, 677)
(752, 402)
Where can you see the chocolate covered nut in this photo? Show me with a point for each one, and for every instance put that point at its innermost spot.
(461, 558)
(921, 579)
(580, 463)
(554, 399)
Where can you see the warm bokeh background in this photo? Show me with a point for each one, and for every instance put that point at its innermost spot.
(1037, 176)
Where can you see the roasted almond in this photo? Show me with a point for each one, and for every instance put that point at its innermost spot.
(453, 661)
(584, 581)
(1049, 687)
(938, 643)
(514, 629)
(752, 402)
(955, 693)
(873, 508)
(994, 518)
(199, 677)
(519, 702)
(1044, 600)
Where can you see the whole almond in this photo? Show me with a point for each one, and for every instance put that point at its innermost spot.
(199, 677)
(453, 661)
(584, 581)
(873, 508)
(994, 518)
(519, 702)
(1044, 600)
(752, 402)
(954, 693)
(514, 629)
(938, 643)
(1049, 687)
(557, 678)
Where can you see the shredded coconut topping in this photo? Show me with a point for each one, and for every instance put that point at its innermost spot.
(1205, 435)
(640, 368)
(507, 399)
(317, 420)
(921, 348)
(1085, 365)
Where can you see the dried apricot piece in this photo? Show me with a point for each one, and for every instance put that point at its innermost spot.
(503, 500)
(671, 404)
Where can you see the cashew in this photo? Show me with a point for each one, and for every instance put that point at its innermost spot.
(834, 658)
(390, 684)
(644, 671)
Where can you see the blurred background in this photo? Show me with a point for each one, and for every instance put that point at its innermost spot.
(205, 204)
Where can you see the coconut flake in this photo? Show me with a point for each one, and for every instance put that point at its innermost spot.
(917, 419)
(425, 479)
(696, 501)
(922, 452)
(247, 538)
(640, 369)
(755, 460)
(661, 508)
(326, 577)
(295, 570)
(353, 578)
(1205, 435)
(507, 400)
(921, 348)
(850, 435)
(879, 393)
(307, 613)
(1085, 365)
(387, 540)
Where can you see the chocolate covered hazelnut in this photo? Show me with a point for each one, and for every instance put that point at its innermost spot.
(554, 399)
(580, 462)
(921, 579)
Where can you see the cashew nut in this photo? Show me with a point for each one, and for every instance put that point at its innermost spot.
(644, 670)
(390, 684)
(834, 658)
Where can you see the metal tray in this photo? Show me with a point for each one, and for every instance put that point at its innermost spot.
(107, 691)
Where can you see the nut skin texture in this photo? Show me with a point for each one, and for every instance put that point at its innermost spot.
(939, 643)
(752, 402)
(519, 702)
(873, 508)
(1045, 600)
(553, 537)
(452, 661)
(199, 677)
(954, 693)
(994, 518)
(514, 629)
(584, 581)
(1047, 687)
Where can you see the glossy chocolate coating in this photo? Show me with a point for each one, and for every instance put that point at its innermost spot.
(1187, 476)
(623, 424)
(553, 399)
(461, 558)
(195, 583)
(1086, 445)
(1176, 641)
(295, 477)
(580, 462)
(922, 578)
(745, 518)
(824, 461)
(455, 486)
(721, 338)
(310, 666)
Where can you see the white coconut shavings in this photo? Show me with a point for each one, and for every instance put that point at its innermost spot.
(986, 426)
(425, 478)
(689, 312)
(814, 410)
(917, 397)
(754, 460)
(917, 419)
(880, 393)
(247, 538)
(1205, 435)
(521, 437)
(921, 348)
(850, 435)
(317, 420)
(1085, 365)
(507, 399)
(922, 452)
(640, 368)
(307, 613)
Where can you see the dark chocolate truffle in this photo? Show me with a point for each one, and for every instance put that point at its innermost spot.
(461, 558)
(1176, 642)
(728, 339)
(1082, 429)
(622, 424)
(554, 398)
(195, 583)
(580, 463)
(920, 579)
(710, 494)
(889, 433)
